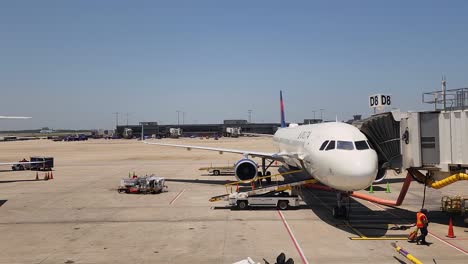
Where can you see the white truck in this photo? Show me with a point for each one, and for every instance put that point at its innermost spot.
(219, 170)
(175, 132)
(281, 200)
(233, 131)
(146, 184)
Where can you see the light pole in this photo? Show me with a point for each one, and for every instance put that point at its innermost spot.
(127, 118)
(250, 115)
(178, 120)
(116, 119)
(314, 114)
(142, 131)
(321, 114)
(183, 118)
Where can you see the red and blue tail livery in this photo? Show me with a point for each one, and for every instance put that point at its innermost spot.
(283, 121)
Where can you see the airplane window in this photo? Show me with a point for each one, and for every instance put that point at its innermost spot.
(324, 145)
(346, 145)
(370, 145)
(331, 145)
(361, 145)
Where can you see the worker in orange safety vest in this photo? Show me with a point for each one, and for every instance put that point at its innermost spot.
(422, 223)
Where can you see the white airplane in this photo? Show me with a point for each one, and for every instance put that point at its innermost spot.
(336, 154)
(47, 131)
(15, 117)
(18, 162)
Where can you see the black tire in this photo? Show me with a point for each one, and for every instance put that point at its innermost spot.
(268, 180)
(242, 205)
(283, 205)
(216, 172)
(268, 173)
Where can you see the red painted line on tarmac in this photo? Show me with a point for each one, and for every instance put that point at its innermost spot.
(177, 197)
(291, 235)
(448, 243)
(430, 233)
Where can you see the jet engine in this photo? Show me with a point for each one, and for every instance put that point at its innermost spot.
(246, 169)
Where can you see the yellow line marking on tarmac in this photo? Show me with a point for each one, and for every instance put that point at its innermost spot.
(354, 229)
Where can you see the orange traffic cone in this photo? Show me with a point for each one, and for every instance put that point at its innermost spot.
(46, 177)
(253, 185)
(237, 188)
(37, 176)
(51, 176)
(450, 230)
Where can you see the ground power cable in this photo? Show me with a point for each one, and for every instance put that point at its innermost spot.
(424, 194)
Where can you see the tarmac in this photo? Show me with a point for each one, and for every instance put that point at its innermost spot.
(79, 217)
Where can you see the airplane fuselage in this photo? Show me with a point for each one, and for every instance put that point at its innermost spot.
(336, 154)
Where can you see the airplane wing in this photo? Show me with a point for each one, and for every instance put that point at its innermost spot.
(268, 155)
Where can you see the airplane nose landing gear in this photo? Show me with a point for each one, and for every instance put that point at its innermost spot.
(340, 211)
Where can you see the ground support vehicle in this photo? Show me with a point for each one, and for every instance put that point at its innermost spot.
(42, 163)
(218, 170)
(455, 205)
(35, 163)
(145, 185)
(282, 196)
(281, 200)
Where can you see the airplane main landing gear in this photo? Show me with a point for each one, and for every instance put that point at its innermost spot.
(340, 211)
(265, 171)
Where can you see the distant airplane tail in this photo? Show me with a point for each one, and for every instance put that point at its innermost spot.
(283, 121)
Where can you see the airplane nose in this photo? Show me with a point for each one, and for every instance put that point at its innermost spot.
(355, 173)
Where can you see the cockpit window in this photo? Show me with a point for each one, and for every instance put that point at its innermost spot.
(331, 145)
(370, 145)
(346, 145)
(361, 145)
(324, 145)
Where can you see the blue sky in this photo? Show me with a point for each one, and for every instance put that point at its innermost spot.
(71, 64)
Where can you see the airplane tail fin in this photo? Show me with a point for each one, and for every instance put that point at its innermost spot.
(283, 121)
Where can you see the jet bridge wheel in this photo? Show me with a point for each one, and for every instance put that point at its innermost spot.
(216, 172)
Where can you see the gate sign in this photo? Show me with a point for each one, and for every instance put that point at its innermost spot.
(380, 100)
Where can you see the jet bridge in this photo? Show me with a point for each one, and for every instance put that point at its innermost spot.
(432, 141)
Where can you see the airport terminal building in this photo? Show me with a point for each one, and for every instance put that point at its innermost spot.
(153, 128)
